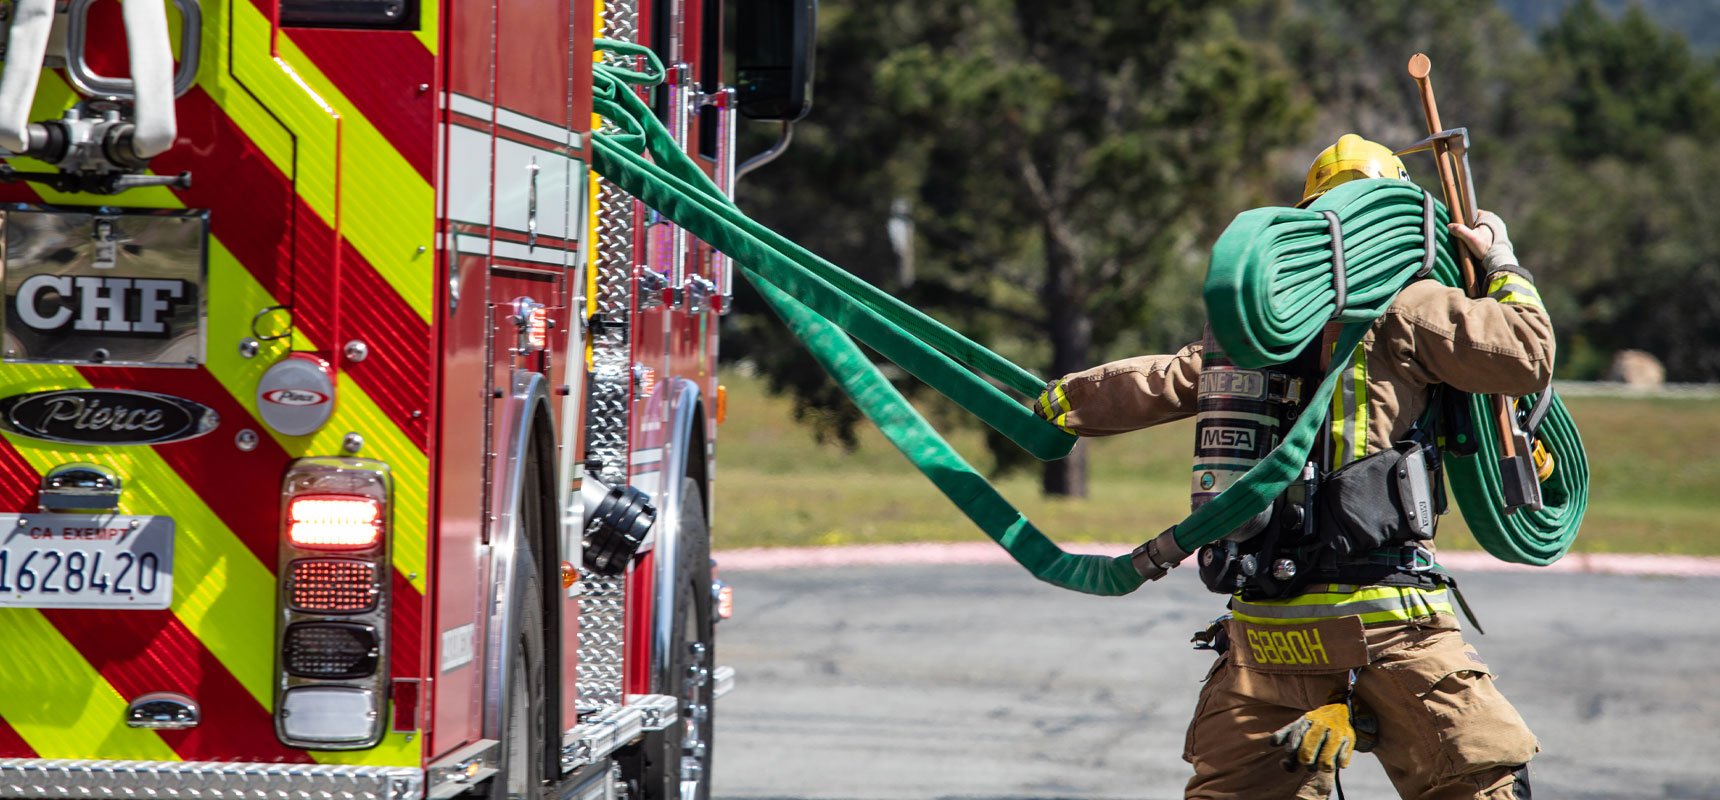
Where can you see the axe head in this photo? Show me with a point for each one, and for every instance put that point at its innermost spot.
(1455, 141)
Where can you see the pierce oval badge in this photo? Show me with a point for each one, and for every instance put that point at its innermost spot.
(106, 417)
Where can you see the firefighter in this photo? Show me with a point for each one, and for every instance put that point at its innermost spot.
(1326, 635)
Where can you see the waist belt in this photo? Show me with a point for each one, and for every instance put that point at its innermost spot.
(1406, 565)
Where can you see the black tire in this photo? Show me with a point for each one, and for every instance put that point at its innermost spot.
(671, 764)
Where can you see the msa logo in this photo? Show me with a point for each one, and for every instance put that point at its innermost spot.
(50, 303)
(1227, 438)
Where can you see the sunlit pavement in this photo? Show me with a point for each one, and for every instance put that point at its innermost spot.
(960, 681)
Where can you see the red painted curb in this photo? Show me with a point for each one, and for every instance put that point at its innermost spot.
(767, 558)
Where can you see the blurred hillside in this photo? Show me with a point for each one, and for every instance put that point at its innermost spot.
(1049, 176)
(1697, 20)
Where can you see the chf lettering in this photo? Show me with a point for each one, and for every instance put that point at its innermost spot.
(1291, 647)
(109, 305)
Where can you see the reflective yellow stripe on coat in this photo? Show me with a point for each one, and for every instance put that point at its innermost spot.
(1373, 604)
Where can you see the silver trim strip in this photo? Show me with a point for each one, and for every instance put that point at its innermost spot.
(202, 780)
(723, 681)
(515, 121)
(514, 251)
(470, 106)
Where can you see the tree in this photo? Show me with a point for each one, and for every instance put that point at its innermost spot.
(1059, 164)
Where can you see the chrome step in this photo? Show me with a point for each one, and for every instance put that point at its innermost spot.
(612, 728)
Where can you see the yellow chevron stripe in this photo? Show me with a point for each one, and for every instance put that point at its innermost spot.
(60, 704)
(429, 26)
(240, 297)
(387, 210)
(221, 592)
(354, 410)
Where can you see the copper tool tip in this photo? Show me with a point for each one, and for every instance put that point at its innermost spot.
(1419, 66)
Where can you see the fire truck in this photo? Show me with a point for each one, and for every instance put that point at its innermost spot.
(356, 439)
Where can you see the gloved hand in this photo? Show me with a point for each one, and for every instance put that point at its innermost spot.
(1321, 739)
(1052, 405)
(1489, 242)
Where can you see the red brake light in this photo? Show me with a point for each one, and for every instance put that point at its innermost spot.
(334, 522)
(331, 585)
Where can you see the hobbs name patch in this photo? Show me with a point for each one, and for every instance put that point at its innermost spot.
(1326, 646)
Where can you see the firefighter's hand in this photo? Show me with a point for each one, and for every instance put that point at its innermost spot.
(1488, 241)
(1321, 739)
(1052, 405)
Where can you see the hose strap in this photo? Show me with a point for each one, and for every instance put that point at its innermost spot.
(1430, 248)
(1340, 283)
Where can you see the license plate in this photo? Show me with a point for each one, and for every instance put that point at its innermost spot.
(85, 561)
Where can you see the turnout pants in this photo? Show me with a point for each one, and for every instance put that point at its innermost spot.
(1445, 731)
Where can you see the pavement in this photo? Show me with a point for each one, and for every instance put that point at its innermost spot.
(875, 681)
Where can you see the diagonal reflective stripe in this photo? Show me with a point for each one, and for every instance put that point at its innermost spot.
(221, 592)
(378, 187)
(58, 703)
(239, 295)
(354, 411)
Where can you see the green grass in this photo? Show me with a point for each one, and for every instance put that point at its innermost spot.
(1655, 486)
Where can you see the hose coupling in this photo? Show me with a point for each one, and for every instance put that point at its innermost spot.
(1159, 556)
(616, 521)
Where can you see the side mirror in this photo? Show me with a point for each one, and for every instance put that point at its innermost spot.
(774, 49)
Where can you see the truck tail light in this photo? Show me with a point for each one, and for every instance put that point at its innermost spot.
(331, 674)
(331, 650)
(334, 522)
(332, 586)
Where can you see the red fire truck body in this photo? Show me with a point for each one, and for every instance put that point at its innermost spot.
(357, 439)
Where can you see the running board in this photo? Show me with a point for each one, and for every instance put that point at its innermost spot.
(723, 680)
(610, 729)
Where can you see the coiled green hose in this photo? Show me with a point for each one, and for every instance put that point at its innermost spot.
(1269, 292)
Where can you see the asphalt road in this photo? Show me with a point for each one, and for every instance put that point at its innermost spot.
(866, 683)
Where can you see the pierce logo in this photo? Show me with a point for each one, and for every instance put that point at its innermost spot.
(105, 417)
(295, 397)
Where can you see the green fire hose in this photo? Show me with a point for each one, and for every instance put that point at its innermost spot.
(824, 306)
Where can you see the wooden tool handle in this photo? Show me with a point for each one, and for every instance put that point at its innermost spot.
(1420, 67)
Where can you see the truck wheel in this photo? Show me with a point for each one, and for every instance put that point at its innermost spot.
(676, 761)
(522, 739)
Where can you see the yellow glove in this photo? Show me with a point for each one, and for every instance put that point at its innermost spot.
(1052, 405)
(1321, 739)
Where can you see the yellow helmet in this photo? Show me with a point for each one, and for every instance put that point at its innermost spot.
(1351, 158)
